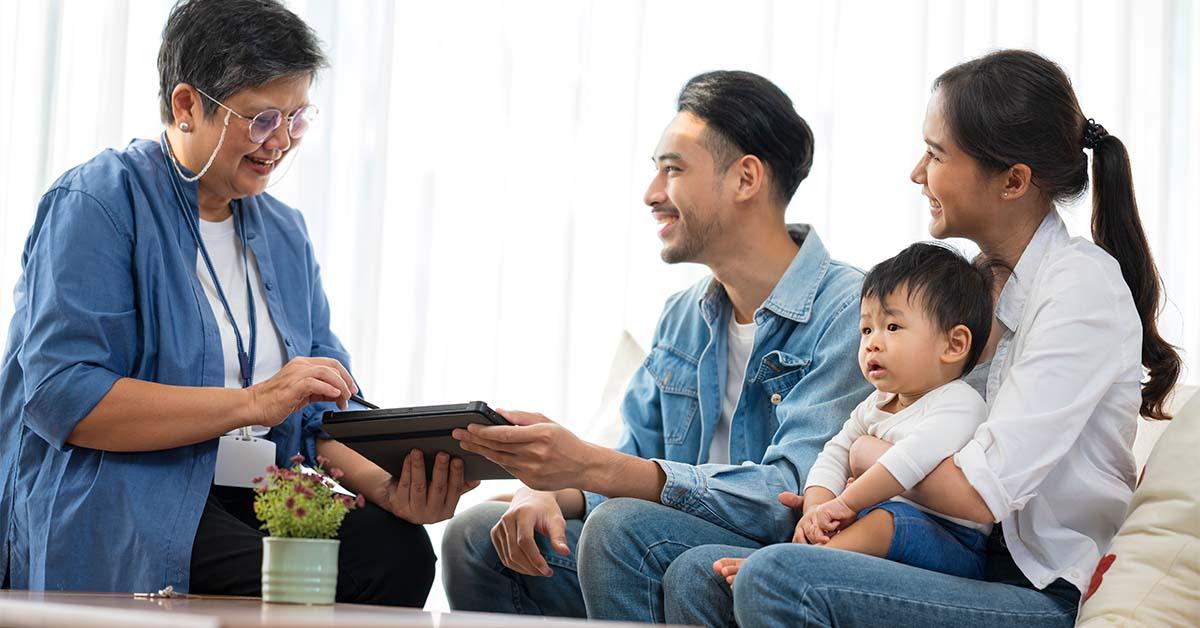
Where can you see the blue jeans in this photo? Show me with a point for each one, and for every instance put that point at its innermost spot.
(810, 585)
(476, 580)
(930, 542)
(622, 552)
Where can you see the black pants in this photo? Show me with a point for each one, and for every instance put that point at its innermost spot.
(382, 559)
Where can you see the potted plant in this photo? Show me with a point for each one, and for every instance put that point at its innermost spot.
(302, 514)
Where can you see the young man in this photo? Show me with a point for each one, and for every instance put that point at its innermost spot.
(751, 372)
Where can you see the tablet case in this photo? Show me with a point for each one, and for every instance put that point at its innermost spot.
(386, 436)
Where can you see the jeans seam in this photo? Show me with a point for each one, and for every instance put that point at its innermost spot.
(1005, 613)
(641, 571)
(514, 586)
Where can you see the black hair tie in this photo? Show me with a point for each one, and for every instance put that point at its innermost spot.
(1093, 133)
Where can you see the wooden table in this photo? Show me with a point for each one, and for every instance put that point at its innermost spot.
(28, 609)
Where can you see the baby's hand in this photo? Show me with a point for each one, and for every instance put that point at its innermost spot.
(727, 568)
(833, 515)
(807, 530)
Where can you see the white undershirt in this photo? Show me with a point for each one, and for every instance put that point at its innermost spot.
(739, 343)
(225, 251)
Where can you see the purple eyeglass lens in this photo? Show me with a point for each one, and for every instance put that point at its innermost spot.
(264, 124)
(300, 121)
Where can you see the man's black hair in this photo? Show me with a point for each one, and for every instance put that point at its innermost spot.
(225, 46)
(952, 290)
(748, 115)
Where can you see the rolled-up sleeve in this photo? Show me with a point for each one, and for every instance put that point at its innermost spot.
(1077, 346)
(82, 322)
(743, 498)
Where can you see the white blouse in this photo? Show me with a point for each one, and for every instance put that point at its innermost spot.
(1054, 459)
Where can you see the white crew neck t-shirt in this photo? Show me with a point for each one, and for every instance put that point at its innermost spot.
(225, 251)
(739, 343)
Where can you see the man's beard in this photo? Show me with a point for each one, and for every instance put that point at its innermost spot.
(691, 239)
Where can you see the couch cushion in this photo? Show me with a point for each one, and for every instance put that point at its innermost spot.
(1150, 575)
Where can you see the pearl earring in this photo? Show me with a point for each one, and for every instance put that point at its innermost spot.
(1005, 195)
(184, 126)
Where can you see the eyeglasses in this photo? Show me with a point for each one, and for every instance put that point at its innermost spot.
(265, 122)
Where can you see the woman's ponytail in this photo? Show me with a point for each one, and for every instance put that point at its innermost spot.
(1117, 228)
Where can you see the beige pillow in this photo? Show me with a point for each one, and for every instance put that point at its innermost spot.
(1151, 574)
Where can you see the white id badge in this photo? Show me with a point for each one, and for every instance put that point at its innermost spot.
(240, 460)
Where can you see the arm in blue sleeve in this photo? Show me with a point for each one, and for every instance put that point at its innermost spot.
(82, 325)
(744, 498)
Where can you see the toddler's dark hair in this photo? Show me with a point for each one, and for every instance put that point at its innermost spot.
(951, 289)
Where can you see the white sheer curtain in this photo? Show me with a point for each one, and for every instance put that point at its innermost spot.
(474, 182)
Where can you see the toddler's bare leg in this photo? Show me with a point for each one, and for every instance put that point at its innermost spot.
(871, 535)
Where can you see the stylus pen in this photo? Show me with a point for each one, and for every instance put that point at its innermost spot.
(360, 400)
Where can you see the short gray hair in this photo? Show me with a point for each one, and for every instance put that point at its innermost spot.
(225, 46)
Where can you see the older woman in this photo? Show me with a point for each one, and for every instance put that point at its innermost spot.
(166, 301)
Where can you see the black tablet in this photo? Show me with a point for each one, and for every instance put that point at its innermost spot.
(386, 436)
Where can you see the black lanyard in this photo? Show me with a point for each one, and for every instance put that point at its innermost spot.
(245, 360)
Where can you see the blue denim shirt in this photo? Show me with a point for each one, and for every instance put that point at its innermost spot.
(109, 290)
(802, 381)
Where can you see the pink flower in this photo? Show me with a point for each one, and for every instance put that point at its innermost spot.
(290, 503)
(298, 487)
(360, 501)
(336, 474)
(322, 461)
(272, 469)
(257, 480)
(300, 512)
(297, 459)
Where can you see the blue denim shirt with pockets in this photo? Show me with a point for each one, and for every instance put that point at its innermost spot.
(802, 382)
(109, 290)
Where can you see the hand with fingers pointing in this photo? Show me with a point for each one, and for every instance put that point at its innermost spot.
(300, 382)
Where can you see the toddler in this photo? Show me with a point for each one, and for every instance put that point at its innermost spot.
(925, 318)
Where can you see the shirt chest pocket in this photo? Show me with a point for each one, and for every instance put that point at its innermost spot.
(676, 375)
(779, 373)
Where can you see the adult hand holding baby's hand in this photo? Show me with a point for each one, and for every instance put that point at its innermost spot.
(808, 532)
(830, 517)
(795, 502)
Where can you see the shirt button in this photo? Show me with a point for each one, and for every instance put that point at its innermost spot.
(250, 236)
(270, 286)
(776, 399)
(288, 342)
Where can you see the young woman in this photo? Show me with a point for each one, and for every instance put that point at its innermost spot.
(1073, 358)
